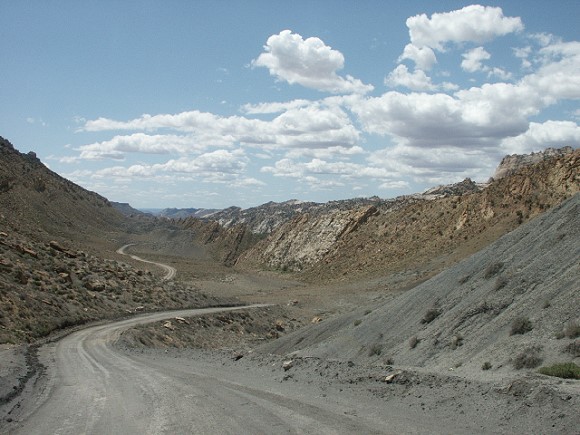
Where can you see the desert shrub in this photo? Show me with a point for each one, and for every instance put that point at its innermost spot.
(493, 269)
(367, 312)
(562, 370)
(572, 329)
(500, 282)
(357, 322)
(456, 341)
(5, 184)
(529, 358)
(39, 184)
(413, 342)
(430, 315)
(376, 349)
(486, 366)
(573, 348)
(464, 279)
(521, 325)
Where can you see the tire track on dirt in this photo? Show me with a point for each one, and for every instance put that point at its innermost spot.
(170, 271)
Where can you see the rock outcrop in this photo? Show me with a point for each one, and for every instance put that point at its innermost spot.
(418, 234)
(511, 164)
(307, 239)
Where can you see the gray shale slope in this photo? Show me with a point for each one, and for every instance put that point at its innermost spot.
(463, 317)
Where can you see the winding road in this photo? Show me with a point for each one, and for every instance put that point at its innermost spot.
(169, 270)
(92, 387)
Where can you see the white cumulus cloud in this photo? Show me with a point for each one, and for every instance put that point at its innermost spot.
(554, 134)
(308, 62)
(424, 57)
(417, 80)
(472, 59)
(473, 23)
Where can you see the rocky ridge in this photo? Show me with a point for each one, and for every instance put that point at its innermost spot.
(433, 231)
(266, 218)
(515, 162)
(40, 203)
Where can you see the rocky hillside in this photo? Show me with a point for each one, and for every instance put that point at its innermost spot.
(266, 218)
(36, 201)
(181, 213)
(511, 164)
(512, 306)
(46, 286)
(418, 234)
(224, 244)
(126, 209)
(58, 265)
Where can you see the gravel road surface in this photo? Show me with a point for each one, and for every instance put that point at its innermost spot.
(93, 387)
(170, 271)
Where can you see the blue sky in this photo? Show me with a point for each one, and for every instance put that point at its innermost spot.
(218, 103)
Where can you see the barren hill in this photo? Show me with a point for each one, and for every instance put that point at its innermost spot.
(37, 201)
(513, 305)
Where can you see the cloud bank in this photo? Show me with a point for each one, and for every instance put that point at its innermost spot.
(417, 131)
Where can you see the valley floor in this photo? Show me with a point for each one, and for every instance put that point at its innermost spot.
(123, 377)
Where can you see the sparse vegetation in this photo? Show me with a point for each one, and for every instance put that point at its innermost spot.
(456, 341)
(572, 329)
(376, 349)
(357, 322)
(562, 370)
(430, 315)
(529, 358)
(500, 282)
(521, 325)
(464, 279)
(493, 269)
(413, 342)
(573, 348)
(486, 366)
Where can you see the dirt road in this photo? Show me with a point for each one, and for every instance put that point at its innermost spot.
(93, 387)
(169, 270)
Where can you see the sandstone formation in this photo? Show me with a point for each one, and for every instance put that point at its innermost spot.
(513, 163)
(422, 232)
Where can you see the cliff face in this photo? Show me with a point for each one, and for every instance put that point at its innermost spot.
(417, 233)
(307, 239)
(515, 162)
(266, 218)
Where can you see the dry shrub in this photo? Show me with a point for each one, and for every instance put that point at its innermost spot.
(573, 348)
(572, 329)
(529, 358)
(376, 349)
(493, 269)
(521, 325)
(430, 315)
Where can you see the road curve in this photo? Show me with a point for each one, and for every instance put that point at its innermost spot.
(94, 388)
(169, 270)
